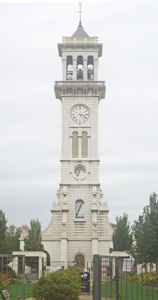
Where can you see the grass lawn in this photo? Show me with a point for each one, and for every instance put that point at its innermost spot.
(16, 289)
(129, 291)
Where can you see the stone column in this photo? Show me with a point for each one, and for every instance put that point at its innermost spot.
(85, 69)
(40, 267)
(94, 246)
(23, 235)
(64, 210)
(74, 69)
(64, 68)
(64, 252)
(95, 69)
(79, 146)
(22, 245)
(15, 264)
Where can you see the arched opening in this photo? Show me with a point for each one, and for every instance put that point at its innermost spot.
(84, 144)
(69, 68)
(48, 258)
(75, 144)
(80, 261)
(79, 209)
(90, 68)
(79, 68)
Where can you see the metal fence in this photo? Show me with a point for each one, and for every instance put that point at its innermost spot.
(121, 279)
(12, 275)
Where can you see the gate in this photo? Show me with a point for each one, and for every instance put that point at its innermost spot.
(12, 275)
(119, 278)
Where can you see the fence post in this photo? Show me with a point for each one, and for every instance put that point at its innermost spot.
(117, 277)
(96, 277)
(23, 277)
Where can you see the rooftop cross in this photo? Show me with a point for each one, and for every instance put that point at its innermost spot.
(80, 11)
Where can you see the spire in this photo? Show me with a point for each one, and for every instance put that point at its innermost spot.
(80, 11)
(80, 32)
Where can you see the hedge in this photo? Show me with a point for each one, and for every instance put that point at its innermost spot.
(61, 285)
(149, 279)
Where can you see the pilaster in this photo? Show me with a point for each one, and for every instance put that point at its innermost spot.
(94, 246)
(64, 68)
(64, 252)
(74, 69)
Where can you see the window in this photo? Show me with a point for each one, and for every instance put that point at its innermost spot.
(79, 209)
(79, 68)
(84, 144)
(90, 68)
(75, 144)
(69, 68)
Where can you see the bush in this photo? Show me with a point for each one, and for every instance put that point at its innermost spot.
(8, 270)
(6, 279)
(149, 279)
(61, 285)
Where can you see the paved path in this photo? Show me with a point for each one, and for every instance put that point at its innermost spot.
(85, 297)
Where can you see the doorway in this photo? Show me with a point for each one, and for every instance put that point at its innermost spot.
(80, 260)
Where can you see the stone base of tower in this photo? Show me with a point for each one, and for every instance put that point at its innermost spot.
(65, 253)
(71, 242)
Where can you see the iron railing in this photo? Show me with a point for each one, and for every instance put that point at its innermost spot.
(122, 279)
(10, 277)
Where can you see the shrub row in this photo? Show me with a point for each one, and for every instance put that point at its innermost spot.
(61, 285)
(6, 279)
(149, 279)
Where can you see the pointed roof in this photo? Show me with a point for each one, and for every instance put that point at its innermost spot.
(80, 32)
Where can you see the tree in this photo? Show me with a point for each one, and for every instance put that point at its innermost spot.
(145, 248)
(33, 241)
(12, 239)
(3, 229)
(122, 238)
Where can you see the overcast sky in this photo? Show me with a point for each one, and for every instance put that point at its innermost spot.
(30, 116)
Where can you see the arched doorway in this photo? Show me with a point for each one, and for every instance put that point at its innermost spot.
(80, 260)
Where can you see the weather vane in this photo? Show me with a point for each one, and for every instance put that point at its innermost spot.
(80, 11)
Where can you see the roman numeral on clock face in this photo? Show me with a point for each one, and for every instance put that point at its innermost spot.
(80, 114)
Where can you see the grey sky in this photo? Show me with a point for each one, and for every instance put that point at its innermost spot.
(30, 116)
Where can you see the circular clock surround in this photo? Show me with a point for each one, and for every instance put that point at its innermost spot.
(80, 171)
(79, 114)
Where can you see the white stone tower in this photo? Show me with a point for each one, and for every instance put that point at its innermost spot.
(79, 227)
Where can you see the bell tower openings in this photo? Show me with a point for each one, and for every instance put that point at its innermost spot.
(90, 68)
(69, 68)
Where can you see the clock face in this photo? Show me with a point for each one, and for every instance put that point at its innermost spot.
(80, 114)
(80, 172)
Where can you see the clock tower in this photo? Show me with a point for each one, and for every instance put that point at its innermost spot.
(79, 227)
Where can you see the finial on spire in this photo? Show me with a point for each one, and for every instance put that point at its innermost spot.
(80, 11)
